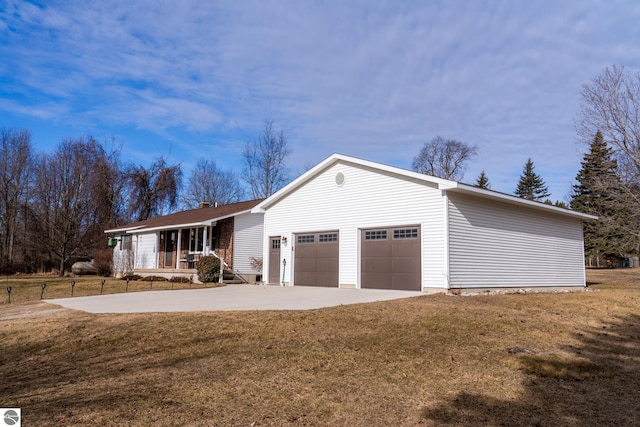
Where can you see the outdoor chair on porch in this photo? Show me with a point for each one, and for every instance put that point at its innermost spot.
(189, 260)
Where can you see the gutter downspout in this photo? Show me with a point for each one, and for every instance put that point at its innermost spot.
(447, 272)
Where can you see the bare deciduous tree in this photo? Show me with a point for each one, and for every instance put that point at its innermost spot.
(211, 184)
(611, 105)
(71, 200)
(265, 162)
(16, 167)
(152, 191)
(444, 158)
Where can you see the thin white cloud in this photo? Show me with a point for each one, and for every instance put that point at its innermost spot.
(375, 80)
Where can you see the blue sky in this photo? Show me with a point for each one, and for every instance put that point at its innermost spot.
(371, 79)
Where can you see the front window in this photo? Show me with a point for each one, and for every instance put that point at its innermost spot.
(125, 242)
(196, 239)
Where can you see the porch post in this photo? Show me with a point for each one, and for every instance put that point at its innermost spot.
(205, 241)
(178, 257)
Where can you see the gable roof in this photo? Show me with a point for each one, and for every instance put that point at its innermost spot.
(439, 183)
(189, 218)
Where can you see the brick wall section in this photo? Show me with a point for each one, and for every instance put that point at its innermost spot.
(224, 240)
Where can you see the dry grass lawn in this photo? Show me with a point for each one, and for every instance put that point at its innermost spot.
(569, 359)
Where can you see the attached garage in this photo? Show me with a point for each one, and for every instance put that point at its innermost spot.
(316, 258)
(391, 258)
(390, 228)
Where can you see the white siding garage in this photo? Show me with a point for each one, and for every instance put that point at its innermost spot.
(364, 199)
(452, 235)
(495, 244)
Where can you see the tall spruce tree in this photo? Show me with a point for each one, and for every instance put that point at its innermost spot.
(483, 181)
(531, 186)
(598, 192)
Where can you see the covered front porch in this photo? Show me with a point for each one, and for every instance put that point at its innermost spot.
(171, 245)
(181, 248)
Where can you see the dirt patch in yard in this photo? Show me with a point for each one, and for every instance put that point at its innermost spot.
(432, 360)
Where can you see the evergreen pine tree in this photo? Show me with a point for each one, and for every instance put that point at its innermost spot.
(483, 181)
(531, 186)
(599, 192)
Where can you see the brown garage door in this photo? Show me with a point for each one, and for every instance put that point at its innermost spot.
(316, 259)
(391, 258)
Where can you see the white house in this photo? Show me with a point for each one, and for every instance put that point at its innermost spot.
(353, 223)
(170, 245)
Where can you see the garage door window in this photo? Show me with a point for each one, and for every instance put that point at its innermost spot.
(306, 238)
(326, 238)
(405, 233)
(375, 235)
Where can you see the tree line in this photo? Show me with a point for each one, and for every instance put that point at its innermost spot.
(54, 207)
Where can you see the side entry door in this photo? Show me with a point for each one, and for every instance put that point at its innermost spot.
(274, 259)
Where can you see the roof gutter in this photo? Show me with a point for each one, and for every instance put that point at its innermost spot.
(144, 229)
(172, 227)
(507, 198)
(121, 230)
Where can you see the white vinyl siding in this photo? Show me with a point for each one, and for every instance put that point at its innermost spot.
(146, 256)
(366, 199)
(247, 241)
(123, 254)
(494, 244)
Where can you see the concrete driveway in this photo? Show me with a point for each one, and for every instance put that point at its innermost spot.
(229, 298)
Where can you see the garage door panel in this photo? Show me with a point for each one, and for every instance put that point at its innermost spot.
(377, 265)
(378, 249)
(408, 283)
(407, 266)
(405, 249)
(305, 279)
(377, 281)
(326, 278)
(306, 265)
(325, 265)
(306, 251)
(327, 250)
(391, 258)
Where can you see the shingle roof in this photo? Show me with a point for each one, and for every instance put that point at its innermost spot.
(189, 217)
